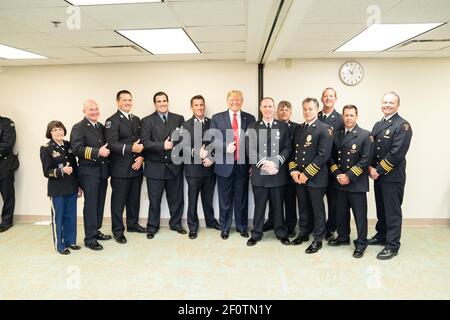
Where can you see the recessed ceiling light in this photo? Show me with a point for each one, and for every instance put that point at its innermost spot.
(379, 37)
(13, 53)
(102, 2)
(161, 41)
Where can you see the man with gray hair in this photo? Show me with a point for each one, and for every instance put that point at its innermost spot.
(392, 137)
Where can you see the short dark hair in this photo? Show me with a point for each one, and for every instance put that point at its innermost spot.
(122, 92)
(284, 103)
(52, 125)
(197, 97)
(267, 98)
(160, 93)
(308, 100)
(350, 106)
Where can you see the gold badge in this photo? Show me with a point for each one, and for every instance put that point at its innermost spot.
(309, 138)
(354, 146)
(55, 154)
(406, 126)
(330, 131)
(371, 139)
(388, 131)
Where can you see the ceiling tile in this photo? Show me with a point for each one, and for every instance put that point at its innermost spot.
(221, 47)
(215, 33)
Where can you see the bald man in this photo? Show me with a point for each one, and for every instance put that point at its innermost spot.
(89, 145)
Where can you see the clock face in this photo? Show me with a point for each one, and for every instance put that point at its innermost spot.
(351, 73)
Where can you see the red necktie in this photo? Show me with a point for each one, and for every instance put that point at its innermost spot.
(236, 136)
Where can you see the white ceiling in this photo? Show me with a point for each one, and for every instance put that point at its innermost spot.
(222, 29)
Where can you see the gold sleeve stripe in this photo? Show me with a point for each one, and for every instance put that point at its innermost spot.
(88, 153)
(292, 165)
(309, 171)
(315, 166)
(385, 166)
(333, 168)
(388, 163)
(357, 171)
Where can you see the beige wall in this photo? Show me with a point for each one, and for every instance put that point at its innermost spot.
(33, 96)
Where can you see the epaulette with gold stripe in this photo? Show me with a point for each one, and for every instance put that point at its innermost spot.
(386, 165)
(356, 170)
(88, 153)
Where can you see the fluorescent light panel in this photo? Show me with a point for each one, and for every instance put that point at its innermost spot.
(102, 2)
(13, 53)
(162, 41)
(379, 37)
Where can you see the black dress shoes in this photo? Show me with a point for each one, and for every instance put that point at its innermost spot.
(192, 235)
(358, 253)
(4, 227)
(251, 242)
(314, 247)
(337, 243)
(224, 235)
(299, 240)
(101, 236)
(376, 242)
(137, 229)
(150, 235)
(120, 239)
(291, 233)
(285, 241)
(244, 234)
(74, 247)
(65, 251)
(181, 231)
(386, 254)
(329, 236)
(94, 246)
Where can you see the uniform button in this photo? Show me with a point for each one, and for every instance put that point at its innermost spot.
(339, 152)
(274, 144)
(296, 145)
(348, 160)
(378, 148)
(296, 151)
(303, 159)
(339, 159)
(295, 158)
(348, 152)
(265, 151)
(304, 152)
(348, 167)
(303, 165)
(378, 156)
(379, 140)
(265, 145)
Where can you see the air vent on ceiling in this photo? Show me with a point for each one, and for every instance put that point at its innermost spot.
(425, 45)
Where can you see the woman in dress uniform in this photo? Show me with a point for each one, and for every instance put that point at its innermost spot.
(60, 167)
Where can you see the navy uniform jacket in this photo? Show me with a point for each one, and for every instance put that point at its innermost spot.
(311, 151)
(153, 134)
(197, 170)
(86, 141)
(8, 160)
(391, 143)
(352, 155)
(334, 120)
(54, 158)
(256, 147)
(120, 134)
(221, 121)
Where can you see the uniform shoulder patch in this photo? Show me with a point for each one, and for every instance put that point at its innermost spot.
(108, 124)
(406, 126)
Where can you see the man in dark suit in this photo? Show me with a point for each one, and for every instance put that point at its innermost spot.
(8, 164)
(88, 143)
(312, 143)
(349, 161)
(284, 113)
(332, 118)
(392, 137)
(199, 171)
(160, 171)
(122, 136)
(268, 148)
(231, 167)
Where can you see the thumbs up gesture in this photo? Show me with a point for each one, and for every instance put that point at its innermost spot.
(104, 151)
(137, 147)
(168, 145)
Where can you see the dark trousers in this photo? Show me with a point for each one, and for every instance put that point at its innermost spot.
(94, 190)
(331, 201)
(311, 211)
(290, 208)
(174, 195)
(233, 197)
(64, 220)
(357, 201)
(275, 197)
(388, 199)
(8, 196)
(205, 187)
(126, 193)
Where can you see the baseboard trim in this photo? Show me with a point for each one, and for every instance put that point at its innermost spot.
(165, 221)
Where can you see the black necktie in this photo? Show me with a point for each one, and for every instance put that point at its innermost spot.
(306, 126)
(347, 132)
(164, 118)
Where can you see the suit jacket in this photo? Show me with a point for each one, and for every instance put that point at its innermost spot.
(391, 143)
(153, 134)
(120, 134)
(195, 168)
(8, 160)
(53, 159)
(221, 121)
(311, 152)
(334, 120)
(351, 155)
(86, 141)
(279, 141)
